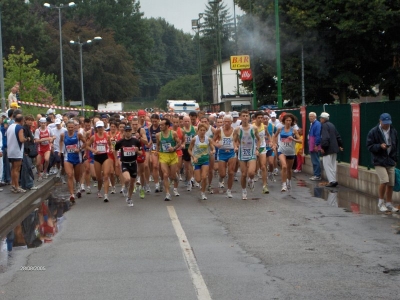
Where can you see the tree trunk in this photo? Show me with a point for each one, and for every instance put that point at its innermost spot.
(343, 94)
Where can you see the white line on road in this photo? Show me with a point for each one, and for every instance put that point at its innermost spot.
(198, 281)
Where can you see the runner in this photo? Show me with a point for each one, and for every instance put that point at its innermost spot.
(154, 129)
(167, 144)
(87, 128)
(223, 138)
(114, 138)
(58, 155)
(190, 131)
(143, 123)
(210, 131)
(219, 123)
(248, 142)
(179, 152)
(262, 153)
(271, 147)
(44, 138)
(100, 145)
(140, 135)
(71, 144)
(287, 136)
(129, 148)
(201, 149)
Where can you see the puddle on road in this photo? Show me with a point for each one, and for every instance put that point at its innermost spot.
(39, 227)
(350, 200)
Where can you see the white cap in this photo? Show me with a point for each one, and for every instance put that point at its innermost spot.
(42, 120)
(273, 114)
(222, 113)
(121, 117)
(99, 124)
(58, 116)
(57, 121)
(51, 111)
(235, 114)
(324, 115)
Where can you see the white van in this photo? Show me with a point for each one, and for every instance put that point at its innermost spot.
(180, 106)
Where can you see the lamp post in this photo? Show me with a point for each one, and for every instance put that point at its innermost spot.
(97, 38)
(3, 99)
(219, 56)
(196, 25)
(59, 7)
(278, 54)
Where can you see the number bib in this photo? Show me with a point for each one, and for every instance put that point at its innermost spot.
(226, 141)
(165, 146)
(246, 154)
(129, 151)
(286, 141)
(101, 148)
(188, 139)
(154, 147)
(71, 148)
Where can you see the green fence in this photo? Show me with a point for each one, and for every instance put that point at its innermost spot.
(341, 117)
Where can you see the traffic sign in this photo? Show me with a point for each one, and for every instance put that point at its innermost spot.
(240, 62)
(75, 103)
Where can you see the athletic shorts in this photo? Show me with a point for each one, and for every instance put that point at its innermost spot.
(168, 158)
(287, 156)
(11, 160)
(130, 167)
(262, 150)
(198, 167)
(270, 152)
(225, 155)
(179, 152)
(186, 155)
(57, 158)
(101, 158)
(216, 153)
(385, 174)
(74, 162)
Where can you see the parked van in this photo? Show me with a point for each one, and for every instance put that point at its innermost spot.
(180, 106)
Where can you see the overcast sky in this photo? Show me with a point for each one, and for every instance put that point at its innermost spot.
(178, 12)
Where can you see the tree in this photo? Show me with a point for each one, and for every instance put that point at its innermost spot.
(21, 68)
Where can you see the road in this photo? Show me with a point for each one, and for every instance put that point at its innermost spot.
(277, 246)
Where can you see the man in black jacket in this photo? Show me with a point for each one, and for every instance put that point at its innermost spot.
(382, 142)
(331, 144)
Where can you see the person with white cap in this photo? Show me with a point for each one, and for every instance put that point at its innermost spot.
(236, 122)
(57, 131)
(43, 138)
(99, 143)
(331, 144)
(382, 142)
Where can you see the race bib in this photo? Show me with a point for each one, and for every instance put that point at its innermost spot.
(165, 146)
(129, 151)
(101, 148)
(246, 152)
(154, 147)
(71, 148)
(226, 141)
(286, 140)
(188, 139)
(44, 143)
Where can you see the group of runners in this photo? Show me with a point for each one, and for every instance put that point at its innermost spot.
(168, 148)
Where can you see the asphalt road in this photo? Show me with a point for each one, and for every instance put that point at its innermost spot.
(278, 246)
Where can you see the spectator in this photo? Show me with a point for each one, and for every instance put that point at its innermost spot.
(314, 145)
(27, 176)
(12, 97)
(299, 153)
(331, 144)
(6, 173)
(382, 142)
(15, 144)
(1, 158)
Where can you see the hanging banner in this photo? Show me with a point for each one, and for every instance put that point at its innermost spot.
(303, 113)
(355, 140)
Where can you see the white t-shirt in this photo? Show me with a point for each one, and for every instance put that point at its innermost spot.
(57, 133)
(280, 125)
(236, 124)
(274, 123)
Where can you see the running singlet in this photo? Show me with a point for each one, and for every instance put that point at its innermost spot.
(101, 144)
(189, 135)
(127, 147)
(209, 132)
(286, 145)
(261, 133)
(71, 144)
(166, 142)
(201, 150)
(247, 144)
(45, 145)
(153, 133)
(114, 139)
(226, 141)
(146, 129)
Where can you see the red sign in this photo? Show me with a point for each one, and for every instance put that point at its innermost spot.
(355, 140)
(246, 75)
(303, 113)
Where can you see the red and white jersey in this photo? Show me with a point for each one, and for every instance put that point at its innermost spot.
(101, 144)
(43, 146)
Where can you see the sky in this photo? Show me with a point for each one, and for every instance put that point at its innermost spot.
(179, 12)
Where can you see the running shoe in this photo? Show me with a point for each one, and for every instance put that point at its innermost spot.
(189, 186)
(289, 184)
(276, 172)
(134, 189)
(229, 193)
(130, 202)
(82, 188)
(315, 178)
(72, 199)
(94, 183)
(176, 193)
(20, 190)
(113, 191)
(251, 184)
(99, 195)
(141, 193)
(13, 189)
(244, 195)
(391, 208)
(78, 194)
(63, 180)
(121, 191)
(180, 178)
(88, 190)
(210, 189)
(203, 196)
(256, 178)
(265, 189)
(148, 189)
(167, 197)
(151, 179)
(157, 190)
(297, 171)
(221, 184)
(192, 181)
(236, 178)
(105, 198)
(46, 175)
(34, 188)
(124, 191)
(284, 187)
(197, 185)
(382, 207)
(58, 174)
(40, 177)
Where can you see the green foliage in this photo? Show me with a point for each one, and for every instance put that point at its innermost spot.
(182, 88)
(21, 68)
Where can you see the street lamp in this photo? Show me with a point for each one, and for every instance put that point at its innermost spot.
(278, 54)
(59, 7)
(196, 25)
(97, 38)
(219, 56)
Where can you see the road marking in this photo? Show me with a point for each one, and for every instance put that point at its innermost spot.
(198, 281)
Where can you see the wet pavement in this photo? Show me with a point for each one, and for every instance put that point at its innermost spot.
(310, 243)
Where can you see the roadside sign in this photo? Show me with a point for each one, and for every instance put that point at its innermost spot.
(75, 103)
(240, 62)
(246, 75)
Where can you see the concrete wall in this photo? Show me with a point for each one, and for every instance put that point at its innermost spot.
(366, 183)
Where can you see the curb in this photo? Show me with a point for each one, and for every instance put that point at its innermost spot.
(16, 212)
